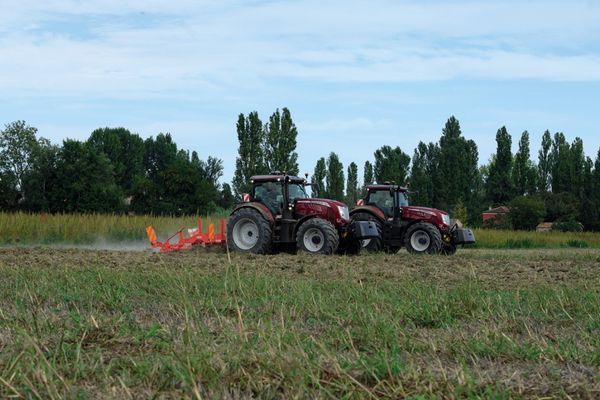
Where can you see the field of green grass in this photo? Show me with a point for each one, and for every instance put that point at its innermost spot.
(483, 323)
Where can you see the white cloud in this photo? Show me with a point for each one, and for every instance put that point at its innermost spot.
(203, 47)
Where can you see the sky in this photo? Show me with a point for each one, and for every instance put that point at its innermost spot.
(355, 75)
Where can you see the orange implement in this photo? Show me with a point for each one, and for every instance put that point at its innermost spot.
(195, 237)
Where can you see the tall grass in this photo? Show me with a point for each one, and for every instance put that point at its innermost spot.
(499, 239)
(24, 228)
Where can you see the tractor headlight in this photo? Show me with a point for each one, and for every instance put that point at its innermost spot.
(344, 213)
(446, 219)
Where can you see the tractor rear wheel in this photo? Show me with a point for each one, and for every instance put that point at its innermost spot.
(248, 231)
(317, 236)
(423, 238)
(373, 244)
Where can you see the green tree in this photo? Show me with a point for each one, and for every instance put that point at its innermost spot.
(250, 160)
(391, 165)
(212, 170)
(499, 184)
(561, 164)
(367, 177)
(41, 179)
(318, 179)
(423, 170)
(17, 145)
(576, 168)
(85, 181)
(125, 152)
(524, 172)
(352, 191)
(280, 143)
(335, 178)
(588, 208)
(526, 212)
(227, 200)
(457, 174)
(9, 195)
(594, 194)
(545, 163)
(561, 206)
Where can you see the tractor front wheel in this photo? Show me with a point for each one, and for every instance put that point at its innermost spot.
(449, 249)
(423, 238)
(248, 231)
(317, 236)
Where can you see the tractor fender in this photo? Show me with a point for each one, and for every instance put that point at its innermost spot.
(261, 208)
(374, 211)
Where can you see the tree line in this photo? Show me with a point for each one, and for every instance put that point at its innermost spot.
(114, 170)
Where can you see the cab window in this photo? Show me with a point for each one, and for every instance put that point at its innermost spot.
(296, 191)
(270, 194)
(382, 199)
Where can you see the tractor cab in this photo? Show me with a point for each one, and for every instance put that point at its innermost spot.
(278, 192)
(388, 198)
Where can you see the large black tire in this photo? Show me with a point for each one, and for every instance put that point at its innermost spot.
(448, 249)
(249, 232)
(374, 244)
(423, 238)
(317, 236)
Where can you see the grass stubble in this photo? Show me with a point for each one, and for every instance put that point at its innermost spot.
(483, 323)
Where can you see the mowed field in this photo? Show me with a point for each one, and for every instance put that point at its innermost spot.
(135, 324)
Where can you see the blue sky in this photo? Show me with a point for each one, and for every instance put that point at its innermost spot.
(355, 75)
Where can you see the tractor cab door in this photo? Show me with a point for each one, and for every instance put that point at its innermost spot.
(383, 200)
(295, 191)
(400, 201)
(271, 195)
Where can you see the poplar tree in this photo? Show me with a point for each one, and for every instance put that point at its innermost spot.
(367, 177)
(499, 184)
(457, 174)
(560, 166)
(545, 163)
(524, 173)
(423, 171)
(250, 160)
(335, 178)
(318, 179)
(352, 191)
(391, 165)
(577, 164)
(280, 143)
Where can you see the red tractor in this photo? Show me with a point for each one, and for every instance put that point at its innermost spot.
(419, 229)
(279, 213)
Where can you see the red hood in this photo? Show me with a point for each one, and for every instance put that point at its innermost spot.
(424, 209)
(328, 201)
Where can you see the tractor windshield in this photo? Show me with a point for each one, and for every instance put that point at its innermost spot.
(402, 199)
(296, 191)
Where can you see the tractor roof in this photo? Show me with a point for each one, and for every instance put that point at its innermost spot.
(386, 187)
(276, 178)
